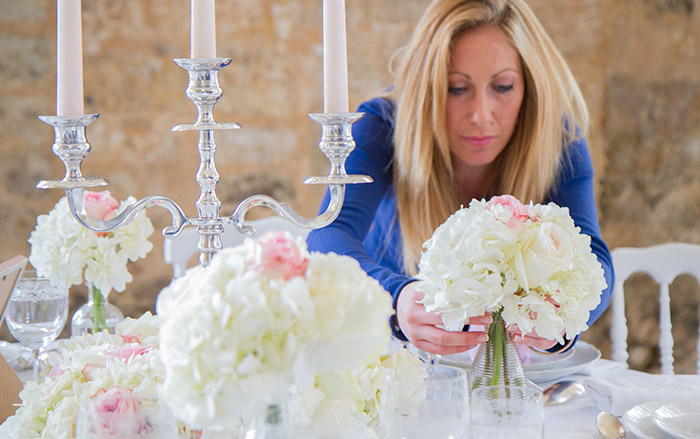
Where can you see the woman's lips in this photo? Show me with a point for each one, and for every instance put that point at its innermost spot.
(479, 141)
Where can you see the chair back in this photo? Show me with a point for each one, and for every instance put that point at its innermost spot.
(178, 250)
(663, 263)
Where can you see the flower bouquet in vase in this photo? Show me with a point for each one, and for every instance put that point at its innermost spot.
(526, 265)
(69, 254)
(264, 317)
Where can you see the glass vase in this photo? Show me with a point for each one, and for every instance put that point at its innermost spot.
(497, 362)
(96, 315)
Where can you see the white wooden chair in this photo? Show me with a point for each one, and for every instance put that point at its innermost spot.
(663, 263)
(178, 251)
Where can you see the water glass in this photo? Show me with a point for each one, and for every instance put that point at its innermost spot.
(424, 402)
(505, 412)
(36, 313)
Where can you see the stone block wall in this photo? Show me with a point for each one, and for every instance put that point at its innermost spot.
(637, 62)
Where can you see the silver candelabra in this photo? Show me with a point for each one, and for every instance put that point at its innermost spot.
(72, 147)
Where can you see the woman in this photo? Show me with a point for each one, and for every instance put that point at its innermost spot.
(483, 104)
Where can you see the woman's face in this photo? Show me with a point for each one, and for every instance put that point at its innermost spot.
(486, 88)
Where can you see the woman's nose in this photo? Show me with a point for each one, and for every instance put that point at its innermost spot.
(480, 112)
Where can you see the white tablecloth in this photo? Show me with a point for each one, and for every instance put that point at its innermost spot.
(575, 419)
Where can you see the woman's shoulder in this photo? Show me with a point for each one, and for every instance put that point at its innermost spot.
(576, 159)
(381, 107)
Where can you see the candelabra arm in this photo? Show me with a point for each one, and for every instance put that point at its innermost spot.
(337, 192)
(126, 214)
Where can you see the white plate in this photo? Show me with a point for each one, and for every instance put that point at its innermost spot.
(531, 360)
(639, 421)
(547, 368)
(584, 354)
(680, 419)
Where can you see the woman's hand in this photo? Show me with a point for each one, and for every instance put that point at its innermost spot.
(420, 327)
(530, 339)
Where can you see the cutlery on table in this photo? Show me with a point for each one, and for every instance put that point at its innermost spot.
(609, 426)
(562, 391)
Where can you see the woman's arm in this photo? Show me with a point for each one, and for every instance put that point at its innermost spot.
(575, 191)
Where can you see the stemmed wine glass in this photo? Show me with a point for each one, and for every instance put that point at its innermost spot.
(36, 313)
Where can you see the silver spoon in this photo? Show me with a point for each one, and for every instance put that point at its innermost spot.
(562, 391)
(609, 426)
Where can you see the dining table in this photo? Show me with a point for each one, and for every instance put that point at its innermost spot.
(572, 419)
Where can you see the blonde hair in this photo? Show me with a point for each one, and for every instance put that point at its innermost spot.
(552, 111)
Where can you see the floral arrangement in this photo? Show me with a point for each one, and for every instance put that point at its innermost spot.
(117, 372)
(529, 263)
(260, 318)
(69, 254)
(355, 415)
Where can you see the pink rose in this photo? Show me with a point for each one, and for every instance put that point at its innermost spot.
(116, 414)
(127, 351)
(281, 256)
(100, 205)
(518, 211)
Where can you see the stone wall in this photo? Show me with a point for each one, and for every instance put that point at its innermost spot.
(636, 60)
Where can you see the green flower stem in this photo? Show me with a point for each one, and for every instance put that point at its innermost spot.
(498, 336)
(99, 322)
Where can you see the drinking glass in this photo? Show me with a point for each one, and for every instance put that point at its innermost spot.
(424, 402)
(36, 313)
(504, 412)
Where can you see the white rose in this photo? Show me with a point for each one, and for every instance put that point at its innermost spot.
(548, 252)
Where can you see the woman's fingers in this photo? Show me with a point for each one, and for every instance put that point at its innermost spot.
(530, 339)
(438, 341)
(423, 328)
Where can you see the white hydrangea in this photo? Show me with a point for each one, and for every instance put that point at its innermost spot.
(69, 254)
(81, 367)
(521, 259)
(238, 333)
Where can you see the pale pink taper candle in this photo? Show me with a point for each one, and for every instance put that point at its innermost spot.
(69, 59)
(335, 58)
(203, 29)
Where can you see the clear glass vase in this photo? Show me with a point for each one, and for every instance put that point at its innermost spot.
(497, 362)
(96, 315)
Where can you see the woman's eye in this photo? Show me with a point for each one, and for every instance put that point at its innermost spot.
(503, 88)
(457, 90)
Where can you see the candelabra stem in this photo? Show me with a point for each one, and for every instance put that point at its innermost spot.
(208, 205)
(204, 91)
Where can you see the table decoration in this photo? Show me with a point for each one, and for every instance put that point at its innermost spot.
(203, 67)
(349, 407)
(527, 265)
(84, 366)
(261, 317)
(69, 254)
